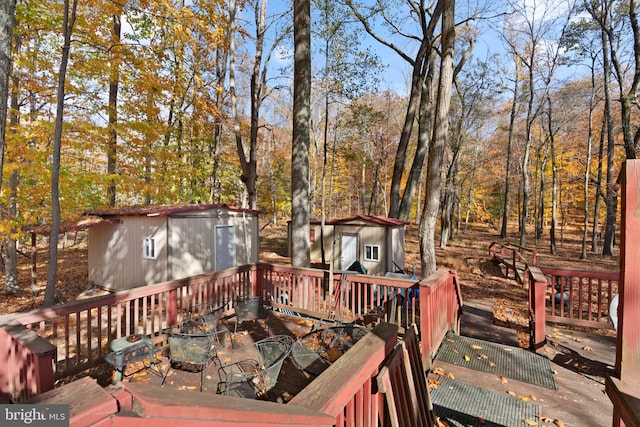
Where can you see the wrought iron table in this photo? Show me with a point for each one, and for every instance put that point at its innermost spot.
(129, 349)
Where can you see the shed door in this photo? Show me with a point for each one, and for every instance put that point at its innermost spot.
(225, 255)
(349, 250)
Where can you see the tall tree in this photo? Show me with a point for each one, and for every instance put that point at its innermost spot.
(247, 153)
(7, 20)
(300, 256)
(68, 21)
(438, 141)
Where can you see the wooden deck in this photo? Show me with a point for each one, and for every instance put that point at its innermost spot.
(579, 362)
(292, 378)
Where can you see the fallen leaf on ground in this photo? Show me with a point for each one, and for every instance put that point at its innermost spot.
(502, 379)
(438, 371)
(492, 364)
(545, 419)
(587, 348)
(533, 397)
(476, 347)
(466, 357)
(455, 351)
(549, 351)
(523, 398)
(450, 375)
(507, 349)
(432, 384)
(576, 339)
(553, 343)
(559, 423)
(511, 393)
(481, 420)
(530, 422)
(482, 356)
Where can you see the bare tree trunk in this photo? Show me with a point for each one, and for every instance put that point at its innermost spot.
(7, 20)
(595, 233)
(68, 22)
(114, 80)
(587, 167)
(10, 244)
(554, 181)
(425, 115)
(507, 174)
(611, 193)
(438, 143)
(300, 256)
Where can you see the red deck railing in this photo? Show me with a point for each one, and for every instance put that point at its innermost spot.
(513, 256)
(74, 337)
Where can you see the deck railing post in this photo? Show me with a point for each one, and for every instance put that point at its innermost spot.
(172, 307)
(29, 362)
(537, 313)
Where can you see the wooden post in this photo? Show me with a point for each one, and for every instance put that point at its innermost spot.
(628, 339)
(537, 315)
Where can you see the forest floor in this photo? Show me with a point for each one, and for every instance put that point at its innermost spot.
(480, 278)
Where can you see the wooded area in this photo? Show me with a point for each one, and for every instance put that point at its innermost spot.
(123, 102)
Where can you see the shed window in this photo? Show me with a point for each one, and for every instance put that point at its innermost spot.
(371, 253)
(149, 248)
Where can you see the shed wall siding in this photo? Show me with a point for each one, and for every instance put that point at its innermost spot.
(115, 258)
(389, 239)
(193, 245)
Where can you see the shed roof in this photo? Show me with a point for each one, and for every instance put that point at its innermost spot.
(69, 225)
(164, 210)
(379, 220)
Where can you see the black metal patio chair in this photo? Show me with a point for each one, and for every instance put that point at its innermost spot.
(191, 352)
(255, 375)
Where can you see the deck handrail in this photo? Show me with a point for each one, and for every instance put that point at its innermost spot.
(81, 331)
(441, 308)
(512, 255)
(578, 297)
(348, 383)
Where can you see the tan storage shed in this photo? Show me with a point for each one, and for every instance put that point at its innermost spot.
(376, 242)
(152, 244)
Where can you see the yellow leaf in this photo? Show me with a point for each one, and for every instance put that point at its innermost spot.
(530, 422)
(523, 398)
(533, 397)
(467, 358)
(502, 379)
(511, 393)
